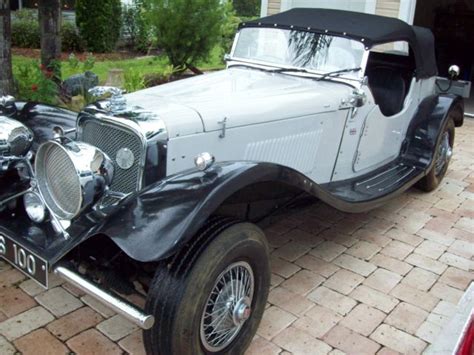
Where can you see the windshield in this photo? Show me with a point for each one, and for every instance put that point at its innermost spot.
(298, 49)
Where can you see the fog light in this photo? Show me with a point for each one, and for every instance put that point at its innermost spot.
(204, 161)
(34, 206)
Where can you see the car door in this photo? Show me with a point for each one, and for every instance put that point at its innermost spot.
(381, 137)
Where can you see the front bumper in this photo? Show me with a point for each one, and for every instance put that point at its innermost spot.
(42, 241)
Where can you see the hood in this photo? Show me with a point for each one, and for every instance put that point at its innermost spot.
(241, 96)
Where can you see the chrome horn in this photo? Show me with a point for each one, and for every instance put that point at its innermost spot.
(15, 141)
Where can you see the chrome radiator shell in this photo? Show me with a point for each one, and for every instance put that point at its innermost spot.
(112, 135)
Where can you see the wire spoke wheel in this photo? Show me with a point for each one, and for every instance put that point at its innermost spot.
(228, 306)
(444, 154)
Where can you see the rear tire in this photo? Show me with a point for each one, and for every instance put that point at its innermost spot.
(219, 282)
(442, 157)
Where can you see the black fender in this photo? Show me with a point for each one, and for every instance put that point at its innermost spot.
(159, 220)
(426, 126)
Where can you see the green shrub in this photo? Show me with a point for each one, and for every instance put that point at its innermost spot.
(247, 8)
(71, 41)
(135, 27)
(99, 23)
(36, 83)
(186, 30)
(25, 32)
(229, 27)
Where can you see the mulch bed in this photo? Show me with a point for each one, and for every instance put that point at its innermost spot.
(36, 54)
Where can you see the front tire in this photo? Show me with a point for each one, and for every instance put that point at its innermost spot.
(211, 297)
(442, 157)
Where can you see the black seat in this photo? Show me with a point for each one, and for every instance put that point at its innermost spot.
(389, 89)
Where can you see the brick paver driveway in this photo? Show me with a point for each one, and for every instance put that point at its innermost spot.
(378, 282)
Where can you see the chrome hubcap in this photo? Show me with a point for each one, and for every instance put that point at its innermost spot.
(228, 306)
(445, 152)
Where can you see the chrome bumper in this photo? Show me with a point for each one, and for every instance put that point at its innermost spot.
(116, 303)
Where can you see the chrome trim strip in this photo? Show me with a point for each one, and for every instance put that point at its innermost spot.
(119, 305)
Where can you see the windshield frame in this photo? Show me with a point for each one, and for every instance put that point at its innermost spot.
(258, 64)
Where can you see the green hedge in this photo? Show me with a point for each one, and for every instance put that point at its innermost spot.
(26, 32)
(99, 23)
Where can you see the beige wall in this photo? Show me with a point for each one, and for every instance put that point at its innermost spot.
(384, 7)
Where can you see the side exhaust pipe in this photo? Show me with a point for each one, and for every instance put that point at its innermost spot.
(119, 305)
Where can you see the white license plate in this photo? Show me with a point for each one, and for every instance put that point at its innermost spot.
(24, 260)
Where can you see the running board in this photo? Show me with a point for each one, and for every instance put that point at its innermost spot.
(396, 176)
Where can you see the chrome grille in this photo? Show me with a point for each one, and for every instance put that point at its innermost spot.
(110, 139)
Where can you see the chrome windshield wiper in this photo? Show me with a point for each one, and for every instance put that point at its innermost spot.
(333, 74)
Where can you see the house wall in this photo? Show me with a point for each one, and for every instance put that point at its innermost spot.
(403, 9)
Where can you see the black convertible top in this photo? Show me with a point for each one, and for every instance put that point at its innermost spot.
(368, 29)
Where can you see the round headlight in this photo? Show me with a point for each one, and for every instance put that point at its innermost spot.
(34, 206)
(71, 175)
(15, 137)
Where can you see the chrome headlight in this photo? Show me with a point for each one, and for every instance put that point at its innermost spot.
(15, 138)
(34, 207)
(71, 176)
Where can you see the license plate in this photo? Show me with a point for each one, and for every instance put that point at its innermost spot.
(24, 260)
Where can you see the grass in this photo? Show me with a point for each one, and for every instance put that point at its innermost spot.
(141, 65)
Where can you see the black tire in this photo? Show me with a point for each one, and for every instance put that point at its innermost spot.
(181, 288)
(433, 179)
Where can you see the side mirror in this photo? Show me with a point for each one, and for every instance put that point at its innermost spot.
(226, 57)
(358, 98)
(454, 72)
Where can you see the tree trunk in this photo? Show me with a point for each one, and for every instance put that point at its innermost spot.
(50, 24)
(6, 76)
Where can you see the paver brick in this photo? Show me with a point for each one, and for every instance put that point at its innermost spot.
(40, 342)
(116, 327)
(363, 250)
(133, 344)
(344, 281)
(446, 292)
(404, 237)
(291, 251)
(332, 300)
(300, 343)
(462, 248)
(457, 278)
(289, 301)
(398, 340)
(317, 265)
(318, 321)
(74, 323)
(92, 342)
(350, 342)
(10, 277)
(282, 267)
(305, 239)
(431, 249)
(14, 301)
(415, 297)
(303, 282)
(406, 317)
(371, 236)
(25, 322)
(374, 298)
(6, 348)
(97, 306)
(457, 261)
(466, 224)
(259, 346)
(274, 321)
(328, 251)
(435, 236)
(363, 319)
(428, 331)
(58, 301)
(382, 280)
(420, 279)
(397, 250)
(426, 263)
(356, 265)
(391, 264)
(445, 308)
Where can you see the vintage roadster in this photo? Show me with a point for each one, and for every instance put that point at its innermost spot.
(158, 191)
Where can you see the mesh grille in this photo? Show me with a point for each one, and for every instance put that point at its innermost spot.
(110, 139)
(61, 183)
